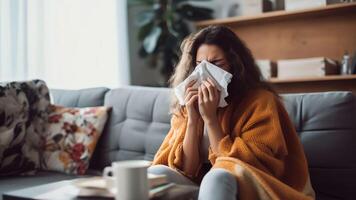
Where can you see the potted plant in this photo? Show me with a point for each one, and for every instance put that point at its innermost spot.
(162, 27)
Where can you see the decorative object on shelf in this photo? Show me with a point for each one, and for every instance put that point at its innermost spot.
(278, 5)
(163, 27)
(232, 8)
(229, 8)
(306, 67)
(266, 68)
(346, 64)
(303, 4)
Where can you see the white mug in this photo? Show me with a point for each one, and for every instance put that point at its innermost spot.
(130, 179)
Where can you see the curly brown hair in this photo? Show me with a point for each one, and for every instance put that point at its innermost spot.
(246, 74)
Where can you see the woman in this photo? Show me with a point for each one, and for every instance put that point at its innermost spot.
(248, 149)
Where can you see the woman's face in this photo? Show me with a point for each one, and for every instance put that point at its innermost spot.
(214, 55)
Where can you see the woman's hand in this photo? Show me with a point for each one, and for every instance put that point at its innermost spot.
(208, 101)
(191, 102)
(192, 137)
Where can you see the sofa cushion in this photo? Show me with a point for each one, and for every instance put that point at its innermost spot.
(80, 98)
(71, 137)
(138, 124)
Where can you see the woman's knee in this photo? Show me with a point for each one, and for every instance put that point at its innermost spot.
(159, 169)
(219, 176)
(220, 182)
(171, 174)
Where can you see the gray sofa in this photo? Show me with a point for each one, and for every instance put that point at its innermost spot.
(326, 123)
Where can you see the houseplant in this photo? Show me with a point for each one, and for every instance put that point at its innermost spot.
(162, 27)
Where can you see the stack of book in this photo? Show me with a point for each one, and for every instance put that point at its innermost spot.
(97, 186)
(306, 67)
(303, 4)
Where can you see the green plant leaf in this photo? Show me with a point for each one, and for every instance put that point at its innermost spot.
(150, 42)
(170, 20)
(145, 17)
(144, 31)
(162, 29)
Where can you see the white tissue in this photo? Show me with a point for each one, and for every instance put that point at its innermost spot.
(220, 77)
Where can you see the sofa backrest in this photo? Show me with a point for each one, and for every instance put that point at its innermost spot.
(137, 126)
(325, 122)
(79, 98)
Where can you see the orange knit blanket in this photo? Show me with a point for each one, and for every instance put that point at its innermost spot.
(261, 149)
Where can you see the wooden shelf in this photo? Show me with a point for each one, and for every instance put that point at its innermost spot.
(314, 79)
(326, 31)
(278, 15)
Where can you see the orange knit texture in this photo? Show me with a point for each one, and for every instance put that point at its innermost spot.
(259, 137)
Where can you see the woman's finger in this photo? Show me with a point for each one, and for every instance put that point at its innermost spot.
(193, 99)
(211, 91)
(205, 93)
(200, 96)
(215, 86)
(190, 84)
(190, 89)
(189, 95)
(211, 81)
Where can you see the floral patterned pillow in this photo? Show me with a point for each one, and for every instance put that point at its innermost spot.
(71, 137)
(24, 107)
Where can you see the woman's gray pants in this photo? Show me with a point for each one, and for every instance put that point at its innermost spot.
(217, 183)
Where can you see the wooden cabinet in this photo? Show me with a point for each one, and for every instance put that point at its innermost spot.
(326, 31)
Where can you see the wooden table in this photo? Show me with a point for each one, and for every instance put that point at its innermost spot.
(65, 190)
